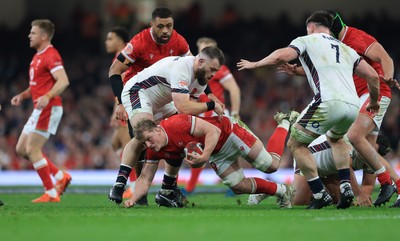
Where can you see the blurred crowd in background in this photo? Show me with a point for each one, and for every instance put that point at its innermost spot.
(83, 140)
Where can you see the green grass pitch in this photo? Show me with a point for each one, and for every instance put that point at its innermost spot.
(208, 217)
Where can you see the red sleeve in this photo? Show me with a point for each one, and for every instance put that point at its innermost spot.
(132, 49)
(53, 61)
(359, 40)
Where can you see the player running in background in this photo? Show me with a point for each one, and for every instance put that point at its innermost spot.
(222, 81)
(47, 81)
(117, 38)
(224, 141)
(329, 65)
(364, 131)
(171, 85)
(143, 50)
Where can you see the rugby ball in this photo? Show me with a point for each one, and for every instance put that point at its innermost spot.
(193, 147)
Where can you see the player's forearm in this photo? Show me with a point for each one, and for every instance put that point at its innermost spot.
(278, 57)
(210, 141)
(373, 86)
(235, 101)
(143, 182)
(60, 85)
(191, 107)
(388, 67)
(26, 93)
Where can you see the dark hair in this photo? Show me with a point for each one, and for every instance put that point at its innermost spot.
(321, 18)
(161, 12)
(337, 24)
(142, 126)
(121, 32)
(214, 53)
(46, 25)
(384, 145)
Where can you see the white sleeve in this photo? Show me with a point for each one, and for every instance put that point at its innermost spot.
(299, 44)
(180, 78)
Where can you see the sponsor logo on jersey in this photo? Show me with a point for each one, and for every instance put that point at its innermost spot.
(128, 48)
(171, 52)
(183, 84)
(151, 56)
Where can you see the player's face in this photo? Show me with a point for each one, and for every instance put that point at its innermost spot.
(154, 140)
(112, 42)
(206, 70)
(162, 29)
(36, 37)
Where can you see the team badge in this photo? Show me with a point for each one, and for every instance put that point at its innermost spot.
(128, 48)
(183, 84)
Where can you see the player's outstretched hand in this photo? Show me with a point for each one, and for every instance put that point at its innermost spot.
(392, 83)
(195, 160)
(219, 110)
(287, 68)
(120, 113)
(42, 101)
(214, 98)
(16, 100)
(129, 203)
(373, 107)
(245, 64)
(364, 200)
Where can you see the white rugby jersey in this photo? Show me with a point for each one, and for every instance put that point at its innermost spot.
(322, 153)
(329, 65)
(168, 75)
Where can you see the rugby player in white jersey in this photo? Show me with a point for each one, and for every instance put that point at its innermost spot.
(329, 65)
(171, 85)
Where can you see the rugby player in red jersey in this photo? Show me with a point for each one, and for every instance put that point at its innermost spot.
(47, 81)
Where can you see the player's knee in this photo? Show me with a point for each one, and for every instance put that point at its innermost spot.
(21, 151)
(30, 150)
(114, 146)
(274, 165)
(233, 180)
(354, 137)
(115, 143)
(298, 137)
(264, 162)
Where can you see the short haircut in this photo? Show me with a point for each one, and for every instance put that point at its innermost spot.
(121, 32)
(161, 12)
(206, 40)
(46, 25)
(321, 18)
(214, 53)
(142, 126)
